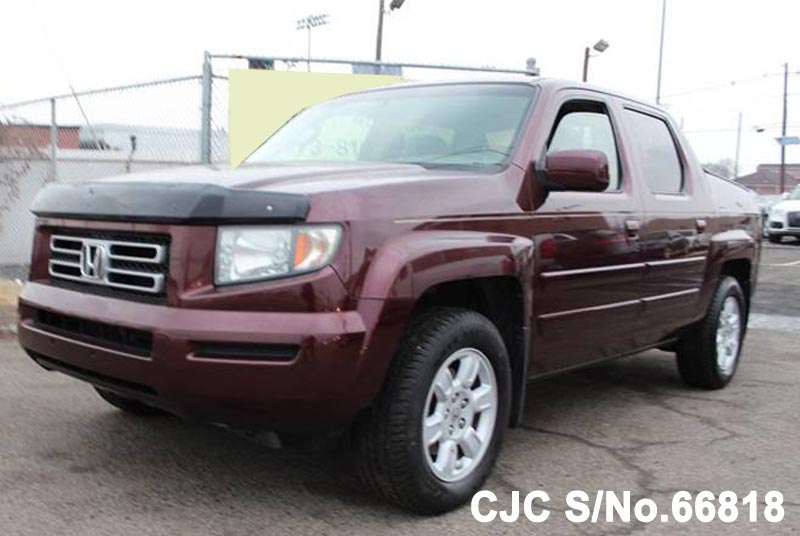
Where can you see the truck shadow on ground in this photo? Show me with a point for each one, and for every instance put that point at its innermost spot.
(166, 459)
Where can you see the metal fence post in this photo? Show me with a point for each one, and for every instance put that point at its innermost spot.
(53, 142)
(205, 111)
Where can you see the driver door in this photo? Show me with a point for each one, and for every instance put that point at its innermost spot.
(588, 276)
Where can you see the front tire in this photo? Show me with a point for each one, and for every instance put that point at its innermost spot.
(434, 435)
(775, 239)
(708, 352)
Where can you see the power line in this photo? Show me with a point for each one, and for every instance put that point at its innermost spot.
(732, 83)
(125, 87)
(767, 126)
(54, 51)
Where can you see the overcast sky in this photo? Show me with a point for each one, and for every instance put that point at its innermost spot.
(708, 44)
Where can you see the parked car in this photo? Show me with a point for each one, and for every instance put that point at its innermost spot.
(784, 218)
(765, 203)
(399, 263)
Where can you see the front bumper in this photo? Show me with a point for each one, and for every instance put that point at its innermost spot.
(315, 388)
(780, 228)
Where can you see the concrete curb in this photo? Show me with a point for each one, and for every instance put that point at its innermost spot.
(9, 293)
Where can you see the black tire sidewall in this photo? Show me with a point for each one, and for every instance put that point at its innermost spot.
(475, 332)
(728, 287)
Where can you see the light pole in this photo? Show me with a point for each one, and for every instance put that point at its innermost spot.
(738, 146)
(757, 129)
(661, 49)
(783, 126)
(309, 22)
(394, 4)
(600, 47)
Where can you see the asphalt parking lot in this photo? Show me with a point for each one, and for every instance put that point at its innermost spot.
(71, 464)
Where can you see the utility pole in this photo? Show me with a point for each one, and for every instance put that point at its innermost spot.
(380, 31)
(661, 49)
(586, 53)
(738, 145)
(783, 126)
(394, 4)
(601, 46)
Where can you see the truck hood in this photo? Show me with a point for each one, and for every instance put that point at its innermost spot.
(789, 205)
(287, 192)
(294, 178)
(361, 191)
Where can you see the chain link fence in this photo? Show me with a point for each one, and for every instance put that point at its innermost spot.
(129, 129)
(91, 135)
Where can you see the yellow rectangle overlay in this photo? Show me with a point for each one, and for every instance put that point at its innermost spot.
(261, 101)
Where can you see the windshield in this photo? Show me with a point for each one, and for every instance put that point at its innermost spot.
(472, 125)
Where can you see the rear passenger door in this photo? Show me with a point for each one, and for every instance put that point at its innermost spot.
(588, 274)
(673, 236)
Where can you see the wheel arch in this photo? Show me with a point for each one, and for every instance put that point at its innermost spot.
(486, 272)
(503, 301)
(735, 253)
(740, 269)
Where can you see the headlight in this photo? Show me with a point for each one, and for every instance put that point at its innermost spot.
(253, 253)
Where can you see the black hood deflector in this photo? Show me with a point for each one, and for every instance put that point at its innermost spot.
(167, 203)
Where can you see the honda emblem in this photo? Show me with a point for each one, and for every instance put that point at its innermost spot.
(93, 261)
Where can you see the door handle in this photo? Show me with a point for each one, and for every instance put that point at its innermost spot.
(701, 224)
(632, 227)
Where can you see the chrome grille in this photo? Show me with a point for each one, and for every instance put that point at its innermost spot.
(118, 264)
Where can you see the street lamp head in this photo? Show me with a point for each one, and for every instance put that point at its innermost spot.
(601, 45)
(312, 21)
(396, 4)
(318, 20)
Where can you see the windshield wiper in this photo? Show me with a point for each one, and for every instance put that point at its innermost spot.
(469, 150)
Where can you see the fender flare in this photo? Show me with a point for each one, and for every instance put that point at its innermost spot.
(726, 246)
(409, 265)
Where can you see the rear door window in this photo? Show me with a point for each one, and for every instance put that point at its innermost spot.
(656, 152)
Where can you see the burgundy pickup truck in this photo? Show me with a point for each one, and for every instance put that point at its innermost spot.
(399, 263)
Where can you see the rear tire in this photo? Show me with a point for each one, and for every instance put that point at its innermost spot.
(775, 239)
(128, 405)
(708, 352)
(435, 432)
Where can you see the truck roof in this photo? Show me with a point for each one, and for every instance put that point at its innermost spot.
(552, 84)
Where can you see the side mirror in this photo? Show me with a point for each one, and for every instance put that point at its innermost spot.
(581, 170)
